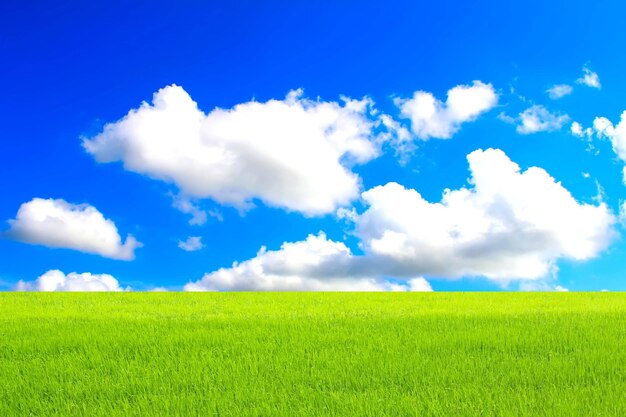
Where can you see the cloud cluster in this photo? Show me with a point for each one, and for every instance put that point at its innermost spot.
(297, 154)
(589, 78)
(432, 118)
(293, 154)
(538, 118)
(508, 225)
(55, 280)
(59, 224)
(315, 264)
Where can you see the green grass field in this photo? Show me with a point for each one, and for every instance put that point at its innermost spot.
(313, 354)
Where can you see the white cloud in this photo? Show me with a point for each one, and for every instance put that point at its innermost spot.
(508, 225)
(193, 243)
(616, 134)
(59, 224)
(589, 78)
(432, 118)
(315, 264)
(539, 119)
(294, 153)
(55, 280)
(419, 284)
(577, 130)
(559, 91)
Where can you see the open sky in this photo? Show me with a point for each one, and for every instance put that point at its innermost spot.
(297, 146)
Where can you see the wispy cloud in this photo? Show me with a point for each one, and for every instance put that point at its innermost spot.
(559, 91)
(191, 244)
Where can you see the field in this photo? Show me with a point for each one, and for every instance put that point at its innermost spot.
(313, 354)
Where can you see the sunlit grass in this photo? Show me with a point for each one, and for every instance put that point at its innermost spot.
(313, 354)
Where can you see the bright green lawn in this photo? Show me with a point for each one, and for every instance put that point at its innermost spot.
(313, 354)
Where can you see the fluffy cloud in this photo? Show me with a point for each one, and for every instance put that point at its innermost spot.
(589, 78)
(315, 264)
(193, 243)
(432, 118)
(559, 91)
(539, 119)
(508, 225)
(55, 280)
(294, 153)
(59, 224)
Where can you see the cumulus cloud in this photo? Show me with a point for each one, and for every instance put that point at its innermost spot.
(59, 224)
(55, 280)
(589, 78)
(539, 119)
(432, 118)
(191, 244)
(559, 91)
(294, 153)
(508, 225)
(315, 264)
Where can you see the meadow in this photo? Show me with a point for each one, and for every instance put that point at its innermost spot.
(312, 354)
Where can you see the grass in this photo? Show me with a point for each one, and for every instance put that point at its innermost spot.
(313, 354)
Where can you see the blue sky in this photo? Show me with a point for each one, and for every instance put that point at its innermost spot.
(69, 70)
